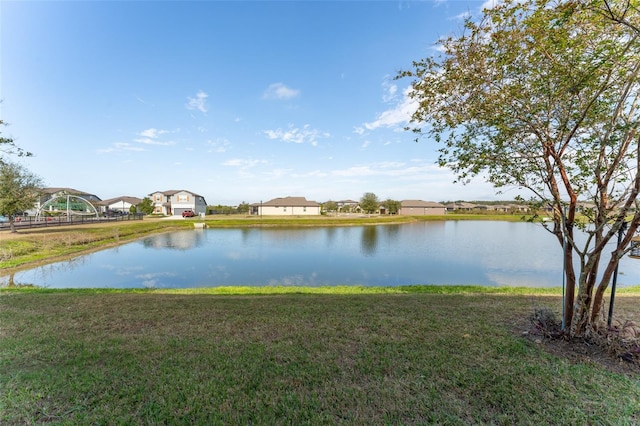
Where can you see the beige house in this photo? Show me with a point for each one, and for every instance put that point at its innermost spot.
(287, 206)
(174, 202)
(421, 208)
(461, 206)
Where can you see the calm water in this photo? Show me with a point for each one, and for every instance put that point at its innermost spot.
(451, 252)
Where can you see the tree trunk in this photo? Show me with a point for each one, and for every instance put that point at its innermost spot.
(12, 225)
(570, 287)
(581, 321)
(598, 299)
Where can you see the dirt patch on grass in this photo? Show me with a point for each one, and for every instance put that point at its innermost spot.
(605, 348)
(587, 352)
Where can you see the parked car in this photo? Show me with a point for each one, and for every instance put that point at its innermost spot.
(188, 213)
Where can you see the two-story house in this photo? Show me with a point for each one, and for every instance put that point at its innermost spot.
(174, 202)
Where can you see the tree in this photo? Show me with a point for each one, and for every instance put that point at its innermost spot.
(243, 208)
(346, 208)
(622, 12)
(369, 202)
(19, 191)
(392, 206)
(146, 206)
(544, 95)
(8, 146)
(330, 206)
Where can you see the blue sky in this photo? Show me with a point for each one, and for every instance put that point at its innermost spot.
(236, 101)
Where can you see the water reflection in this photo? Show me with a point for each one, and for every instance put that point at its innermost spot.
(155, 280)
(181, 240)
(331, 235)
(478, 253)
(391, 233)
(369, 240)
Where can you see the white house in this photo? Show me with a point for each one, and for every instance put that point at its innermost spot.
(120, 204)
(174, 202)
(421, 208)
(287, 206)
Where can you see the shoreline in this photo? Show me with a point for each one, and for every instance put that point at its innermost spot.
(35, 247)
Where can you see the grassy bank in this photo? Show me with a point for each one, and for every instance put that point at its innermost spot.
(31, 246)
(377, 356)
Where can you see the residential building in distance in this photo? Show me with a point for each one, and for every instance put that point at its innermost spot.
(175, 202)
(286, 206)
(461, 206)
(120, 204)
(348, 206)
(421, 208)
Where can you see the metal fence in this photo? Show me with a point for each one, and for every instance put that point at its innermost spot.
(22, 222)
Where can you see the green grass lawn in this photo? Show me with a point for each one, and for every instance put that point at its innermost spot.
(416, 355)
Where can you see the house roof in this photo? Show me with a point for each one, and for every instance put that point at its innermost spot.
(126, 199)
(420, 203)
(70, 191)
(291, 202)
(175, 191)
(461, 205)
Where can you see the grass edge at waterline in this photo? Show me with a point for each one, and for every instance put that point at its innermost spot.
(328, 290)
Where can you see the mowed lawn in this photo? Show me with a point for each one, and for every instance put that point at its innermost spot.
(124, 357)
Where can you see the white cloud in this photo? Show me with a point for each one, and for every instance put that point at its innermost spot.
(199, 102)
(219, 145)
(280, 91)
(400, 114)
(356, 171)
(390, 91)
(243, 163)
(316, 174)
(490, 4)
(462, 16)
(278, 173)
(152, 133)
(397, 169)
(296, 135)
(244, 166)
(149, 141)
(119, 147)
(150, 136)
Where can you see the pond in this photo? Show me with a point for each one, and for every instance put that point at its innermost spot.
(488, 253)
